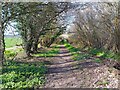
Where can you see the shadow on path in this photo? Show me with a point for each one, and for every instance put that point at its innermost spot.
(72, 66)
(64, 72)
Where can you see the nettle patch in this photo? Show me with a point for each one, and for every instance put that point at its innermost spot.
(22, 75)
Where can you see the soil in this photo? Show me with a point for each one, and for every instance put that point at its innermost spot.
(63, 72)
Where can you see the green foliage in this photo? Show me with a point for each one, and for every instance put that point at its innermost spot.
(80, 56)
(9, 54)
(95, 51)
(97, 60)
(76, 54)
(108, 55)
(117, 56)
(55, 47)
(12, 41)
(102, 53)
(67, 44)
(99, 53)
(71, 48)
(102, 82)
(22, 75)
(62, 41)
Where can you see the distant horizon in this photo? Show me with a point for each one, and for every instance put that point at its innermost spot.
(12, 35)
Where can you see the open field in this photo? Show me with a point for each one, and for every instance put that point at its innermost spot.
(12, 41)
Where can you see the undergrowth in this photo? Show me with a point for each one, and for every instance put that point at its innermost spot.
(19, 75)
(99, 54)
(10, 54)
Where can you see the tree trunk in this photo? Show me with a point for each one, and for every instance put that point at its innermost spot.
(27, 41)
(117, 30)
(28, 49)
(35, 46)
(28, 46)
(2, 44)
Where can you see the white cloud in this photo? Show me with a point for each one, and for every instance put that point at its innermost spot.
(10, 31)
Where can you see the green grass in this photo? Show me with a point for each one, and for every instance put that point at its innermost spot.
(18, 75)
(98, 60)
(99, 53)
(81, 56)
(10, 54)
(71, 48)
(12, 41)
(49, 53)
(103, 54)
(76, 55)
(102, 82)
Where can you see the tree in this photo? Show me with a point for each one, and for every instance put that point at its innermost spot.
(1, 41)
(33, 20)
(95, 25)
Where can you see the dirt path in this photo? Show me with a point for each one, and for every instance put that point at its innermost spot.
(63, 72)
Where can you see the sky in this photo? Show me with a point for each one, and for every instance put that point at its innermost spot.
(70, 18)
(11, 30)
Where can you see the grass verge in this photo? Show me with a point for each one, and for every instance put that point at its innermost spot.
(98, 54)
